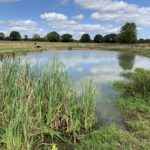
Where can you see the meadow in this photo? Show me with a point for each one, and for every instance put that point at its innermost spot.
(12, 47)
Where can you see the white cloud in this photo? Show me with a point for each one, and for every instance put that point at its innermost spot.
(58, 21)
(118, 11)
(78, 17)
(24, 26)
(8, 1)
(53, 16)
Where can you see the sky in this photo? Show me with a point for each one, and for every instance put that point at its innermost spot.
(75, 17)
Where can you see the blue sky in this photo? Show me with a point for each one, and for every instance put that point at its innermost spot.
(73, 16)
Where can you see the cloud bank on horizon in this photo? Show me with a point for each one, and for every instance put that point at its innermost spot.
(74, 16)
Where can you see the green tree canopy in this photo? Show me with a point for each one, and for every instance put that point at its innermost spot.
(14, 35)
(36, 37)
(141, 41)
(128, 33)
(66, 38)
(53, 37)
(85, 38)
(26, 38)
(110, 38)
(98, 38)
(2, 36)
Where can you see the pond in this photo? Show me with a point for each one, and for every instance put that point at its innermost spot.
(103, 67)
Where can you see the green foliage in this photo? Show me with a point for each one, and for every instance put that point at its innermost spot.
(128, 33)
(85, 38)
(36, 37)
(53, 37)
(141, 41)
(14, 35)
(138, 83)
(110, 38)
(98, 38)
(66, 38)
(26, 38)
(2, 36)
(41, 104)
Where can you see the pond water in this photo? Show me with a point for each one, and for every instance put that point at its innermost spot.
(103, 67)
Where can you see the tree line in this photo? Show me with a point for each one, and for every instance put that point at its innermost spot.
(128, 34)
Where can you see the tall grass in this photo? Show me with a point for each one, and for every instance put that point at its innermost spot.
(136, 83)
(39, 107)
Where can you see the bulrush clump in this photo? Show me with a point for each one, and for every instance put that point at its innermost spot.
(39, 106)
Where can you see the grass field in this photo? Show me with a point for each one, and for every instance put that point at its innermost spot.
(8, 47)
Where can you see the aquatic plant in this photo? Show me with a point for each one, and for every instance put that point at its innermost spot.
(39, 107)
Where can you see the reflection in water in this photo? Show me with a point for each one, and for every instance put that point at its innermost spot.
(101, 66)
(126, 61)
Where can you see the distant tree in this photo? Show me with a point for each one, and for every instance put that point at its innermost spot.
(36, 37)
(128, 33)
(14, 35)
(85, 38)
(2, 36)
(147, 40)
(26, 38)
(53, 37)
(110, 38)
(141, 41)
(66, 38)
(7, 38)
(98, 38)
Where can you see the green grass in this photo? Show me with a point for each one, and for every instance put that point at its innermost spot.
(40, 107)
(20, 47)
(109, 138)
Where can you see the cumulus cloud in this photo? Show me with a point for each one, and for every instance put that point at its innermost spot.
(59, 21)
(78, 17)
(24, 26)
(118, 11)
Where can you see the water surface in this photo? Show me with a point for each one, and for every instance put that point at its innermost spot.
(103, 67)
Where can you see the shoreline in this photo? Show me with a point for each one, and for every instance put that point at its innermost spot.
(8, 48)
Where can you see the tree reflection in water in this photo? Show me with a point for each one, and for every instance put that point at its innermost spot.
(126, 61)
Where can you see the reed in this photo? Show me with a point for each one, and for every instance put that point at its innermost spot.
(39, 107)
